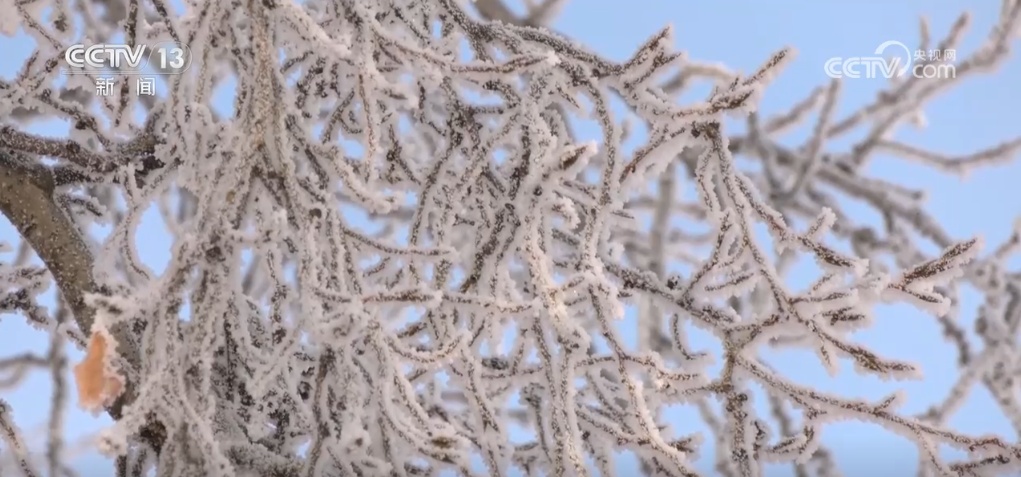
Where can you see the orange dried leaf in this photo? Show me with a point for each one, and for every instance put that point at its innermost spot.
(97, 379)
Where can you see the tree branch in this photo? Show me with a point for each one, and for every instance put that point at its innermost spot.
(26, 199)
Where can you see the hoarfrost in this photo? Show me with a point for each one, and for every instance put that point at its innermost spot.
(286, 338)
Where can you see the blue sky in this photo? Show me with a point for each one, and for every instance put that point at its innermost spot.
(742, 34)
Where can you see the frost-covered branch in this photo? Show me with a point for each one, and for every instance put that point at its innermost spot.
(395, 253)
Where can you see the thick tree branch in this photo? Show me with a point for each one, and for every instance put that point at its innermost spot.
(26, 199)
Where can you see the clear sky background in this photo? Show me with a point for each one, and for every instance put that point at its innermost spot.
(742, 34)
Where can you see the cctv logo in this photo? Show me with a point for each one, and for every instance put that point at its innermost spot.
(124, 59)
(99, 56)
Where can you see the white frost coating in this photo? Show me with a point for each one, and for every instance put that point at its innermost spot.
(9, 22)
(397, 253)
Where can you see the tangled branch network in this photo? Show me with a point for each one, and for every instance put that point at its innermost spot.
(286, 338)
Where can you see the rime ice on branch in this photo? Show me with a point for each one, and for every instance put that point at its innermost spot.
(287, 337)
